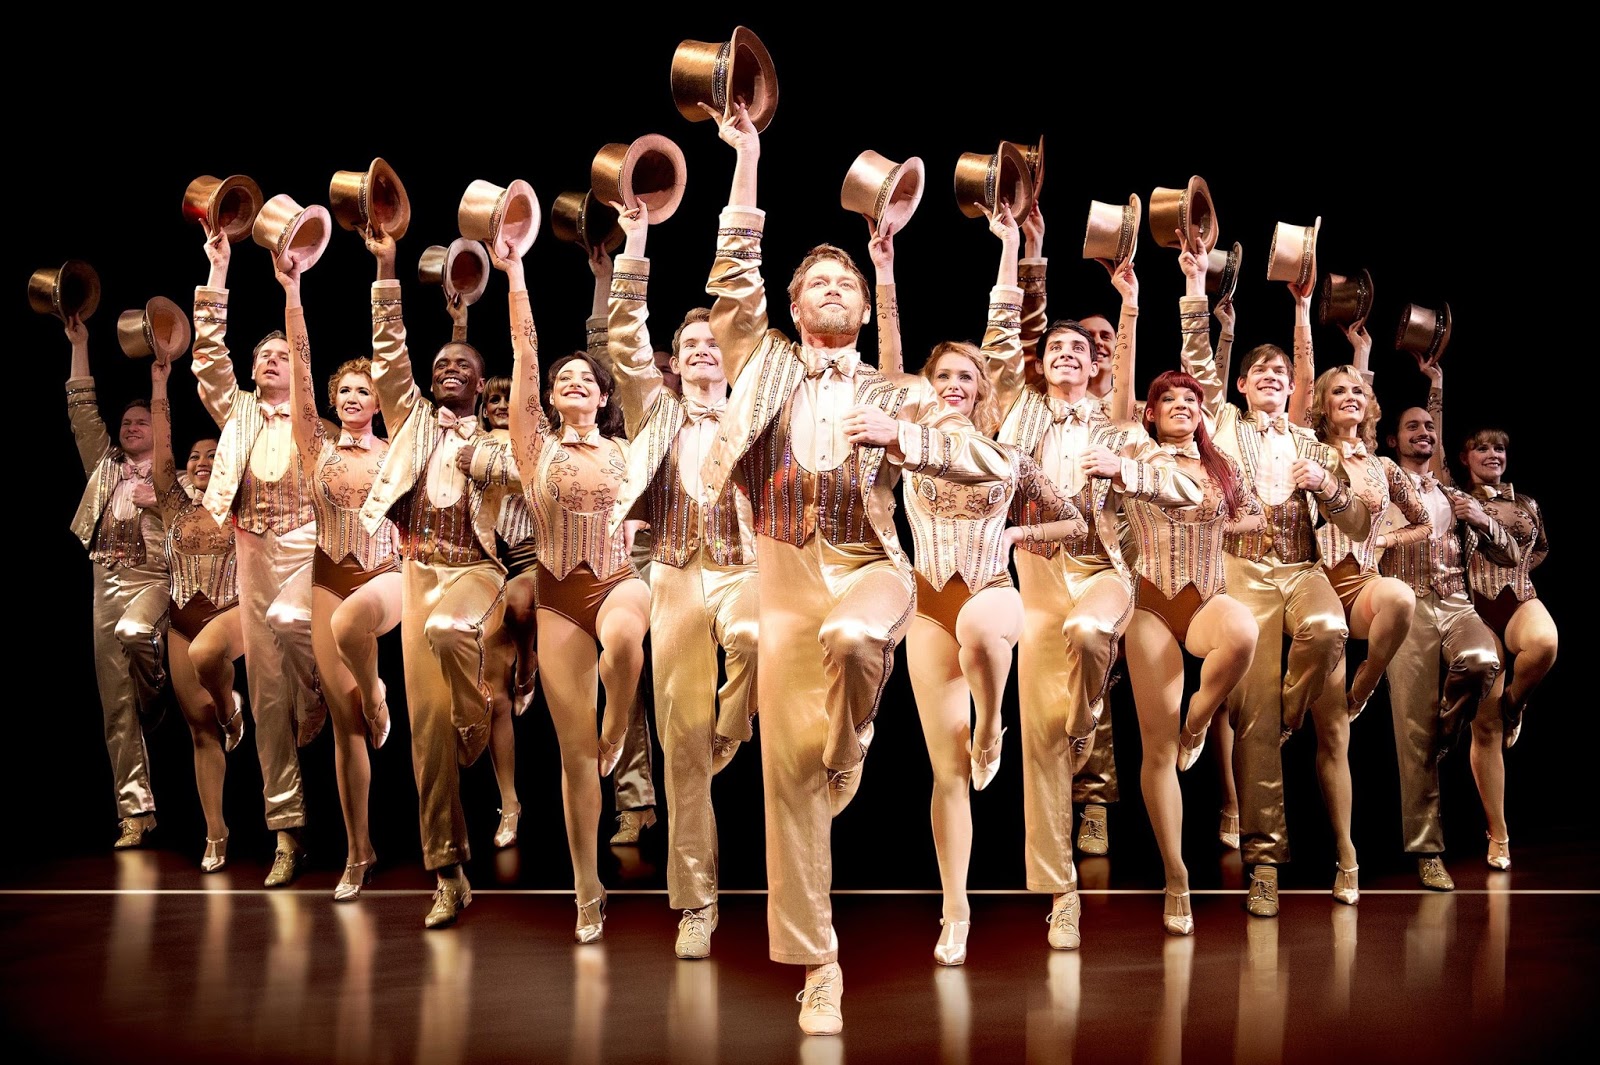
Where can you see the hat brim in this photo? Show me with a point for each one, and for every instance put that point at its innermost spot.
(752, 76)
(71, 290)
(651, 170)
(466, 271)
(901, 195)
(1202, 214)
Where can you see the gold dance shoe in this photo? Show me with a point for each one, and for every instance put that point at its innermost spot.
(233, 728)
(357, 875)
(1080, 748)
(1263, 898)
(1093, 839)
(522, 696)
(631, 824)
(591, 920)
(610, 755)
(985, 765)
(1434, 876)
(820, 1001)
(506, 834)
(723, 749)
(1063, 920)
(694, 932)
(1346, 888)
(844, 783)
(1510, 723)
(285, 867)
(1228, 831)
(1499, 852)
(134, 830)
(216, 855)
(1189, 747)
(952, 946)
(1176, 917)
(378, 720)
(452, 895)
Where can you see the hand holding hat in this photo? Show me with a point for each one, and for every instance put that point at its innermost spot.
(736, 128)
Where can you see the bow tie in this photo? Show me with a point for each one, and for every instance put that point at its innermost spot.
(571, 437)
(844, 364)
(1190, 450)
(364, 441)
(1353, 449)
(1265, 422)
(694, 410)
(1061, 410)
(140, 470)
(1496, 491)
(463, 427)
(1427, 482)
(269, 412)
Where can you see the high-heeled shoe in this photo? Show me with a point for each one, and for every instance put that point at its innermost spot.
(216, 855)
(1499, 856)
(952, 946)
(1228, 831)
(378, 720)
(522, 697)
(233, 728)
(1346, 887)
(1355, 700)
(610, 755)
(591, 920)
(506, 834)
(1189, 747)
(1176, 917)
(985, 765)
(357, 875)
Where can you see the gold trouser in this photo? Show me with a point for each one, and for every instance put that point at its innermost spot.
(1448, 631)
(130, 623)
(449, 616)
(1096, 782)
(693, 611)
(830, 619)
(1285, 598)
(275, 614)
(1063, 660)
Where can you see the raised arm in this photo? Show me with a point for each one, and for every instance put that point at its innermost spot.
(632, 357)
(739, 310)
(529, 427)
(1194, 325)
(891, 353)
(1430, 367)
(1225, 316)
(392, 376)
(1031, 276)
(596, 327)
(1305, 370)
(1126, 282)
(308, 427)
(213, 368)
(83, 408)
(163, 467)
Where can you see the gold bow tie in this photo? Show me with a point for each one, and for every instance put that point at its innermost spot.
(1190, 450)
(1496, 491)
(1427, 482)
(1265, 422)
(1356, 449)
(269, 411)
(462, 427)
(572, 438)
(694, 410)
(348, 439)
(1061, 410)
(844, 364)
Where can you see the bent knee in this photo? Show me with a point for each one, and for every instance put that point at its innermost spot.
(1088, 633)
(451, 632)
(851, 641)
(135, 633)
(1394, 597)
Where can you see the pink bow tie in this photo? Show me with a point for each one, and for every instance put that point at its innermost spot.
(463, 427)
(347, 439)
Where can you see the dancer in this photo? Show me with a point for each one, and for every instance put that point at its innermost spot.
(205, 637)
(594, 609)
(704, 596)
(355, 575)
(257, 483)
(125, 544)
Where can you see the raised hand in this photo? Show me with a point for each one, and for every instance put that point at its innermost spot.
(218, 248)
(76, 331)
(1003, 224)
(881, 247)
(1033, 230)
(734, 127)
(1224, 313)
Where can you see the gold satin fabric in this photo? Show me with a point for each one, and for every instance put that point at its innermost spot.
(831, 617)
(449, 615)
(130, 627)
(1444, 632)
(1063, 662)
(275, 601)
(1285, 598)
(1096, 782)
(693, 611)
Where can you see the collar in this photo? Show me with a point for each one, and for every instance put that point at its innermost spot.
(590, 438)
(463, 427)
(845, 363)
(347, 439)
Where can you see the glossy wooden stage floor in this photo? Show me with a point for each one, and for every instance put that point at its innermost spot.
(136, 956)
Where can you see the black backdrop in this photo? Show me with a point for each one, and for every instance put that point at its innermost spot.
(1410, 172)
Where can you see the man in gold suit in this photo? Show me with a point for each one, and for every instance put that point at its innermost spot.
(703, 588)
(818, 440)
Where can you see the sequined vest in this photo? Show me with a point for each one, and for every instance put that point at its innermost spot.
(791, 503)
(678, 521)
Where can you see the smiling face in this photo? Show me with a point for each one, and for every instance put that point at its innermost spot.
(1415, 437)
(271, 372)
(497, 406)
(1175, 414)
(957, 381)
(831, 302)
(1485, 456)
(1267, 382)
(355, 401)
(1068, 360)
(1345, 402)
(134, 434)
(1104, 335)
(699, 359)
(457, 377)
(201, 457)
(575, 392)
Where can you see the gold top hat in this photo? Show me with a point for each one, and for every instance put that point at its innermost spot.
(160, 328)
(1033, 155)
(71, 290)
(883, 190)
(507, 219)
(230, 204)
(580, 218)
(650, 169)
(1424, 331)
(1222, 273)
(1189, 209)
(718, 74)
(293, 234)
(982, 181)
(1345, 300)
(462, 269)
(1112, 235)
(372, 197)
(1292, 255)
